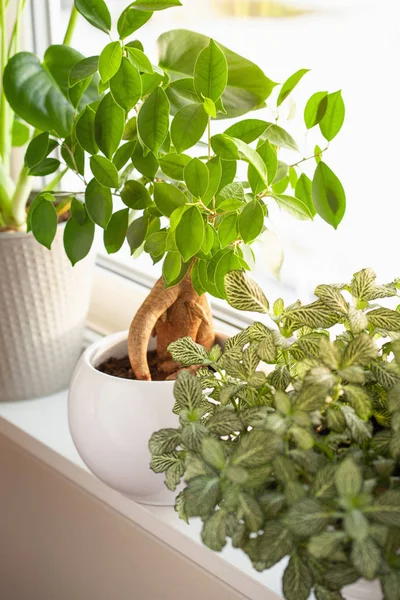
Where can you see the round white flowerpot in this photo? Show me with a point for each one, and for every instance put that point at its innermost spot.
(43, 306)
(112, 419)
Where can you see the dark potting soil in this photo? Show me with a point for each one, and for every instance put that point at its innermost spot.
(121, 367)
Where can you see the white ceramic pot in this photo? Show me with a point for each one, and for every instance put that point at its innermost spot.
(43, 306)
(112, 419)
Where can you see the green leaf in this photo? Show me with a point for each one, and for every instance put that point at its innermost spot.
(251, 221)
(147, 165)
(167, 198)
(156, 243)
(384, 318)
(171, 267)
(391, 585)
(131, 20)
(290, 84)
(356, 525)
(164, 441)
(190, 233)
(137, 232)
(386, 508)
(153, 5)
(187, 391)
(45, 167)
(213, 453)
(98, 201)
(211, 72)
(306, 518)
(34, 95)
(328, 195)
(323, 593)
(109, 125)
(333, 118)
(255, 448)
(325, 544)
(215, 531)
(78, 237)
(96, 12)
(201, 495)
(104, 170)
(247, 87)
(332, 298)
(253, 158)
(303, 191)
(224, 147)
(348, 478)
(20, 133)
(274, 544)
(360, 351)
(196, 177)
(153, 120)
(173, 165)
(226, 263)
(293, 206)
(139, 60)
(135, 195)
(83, 69)
(214, 167)
(297, 580)
(188, 126)
(110, 61)
(37, 150)
(366, 557)
(244, 293)
(227, 230)
(247, 130)
(315, 109)
(210, 108)
(126, 85)
(44, 223)
(84, 129)
(277, 136)
(115, 233)
(270, 159)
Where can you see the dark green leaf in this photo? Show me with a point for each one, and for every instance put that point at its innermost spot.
(45, 167)
(98, 201)
(44, 223)
(173, 165)
(126, 85)
(211, 72)
(251, 221)
(168, 198)
(190, 233)
(147, 165)
(96, 12)
(84, 129)
(171, 266)
(188, 126)
(116, 230)
(109, 125)
(131, 20)
(328, 195)
(78, 237)
(83, 69)
(153, 120)
(104, 170)
(135, 195)
(137, 232)
(270, 159)
(297, 580)
(215, 531)
(37, 150)
(153, 5)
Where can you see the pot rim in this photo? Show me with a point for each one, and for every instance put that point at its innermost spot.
(90, 355)
(12, 234)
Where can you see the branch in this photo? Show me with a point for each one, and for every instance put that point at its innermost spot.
(309, 157)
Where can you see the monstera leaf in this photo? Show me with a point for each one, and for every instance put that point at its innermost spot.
(247, 88)
(38, 92)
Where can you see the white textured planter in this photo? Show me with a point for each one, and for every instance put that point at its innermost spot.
(112, 419)
(43, 306)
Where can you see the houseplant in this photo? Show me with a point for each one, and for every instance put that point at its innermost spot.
(43, 301)
(302, 462)
(178, 196)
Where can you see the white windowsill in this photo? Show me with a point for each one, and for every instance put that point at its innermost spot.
(40, 427)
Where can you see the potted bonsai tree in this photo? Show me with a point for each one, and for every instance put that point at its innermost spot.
(302, 461)
(189, 194)
(43, 301)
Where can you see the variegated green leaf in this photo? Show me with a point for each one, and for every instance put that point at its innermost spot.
(366, 556)
(164, 441)
(358, 320)
(255, 448)
(384, 318)
(332, 298)
(187, 352)
(162, 462)
(187, 391)
(245, 294)
(387, 290)
(275, 543)
(361, 351)
(315, 315)
(363, 283)
(215, 531)
(297, 580)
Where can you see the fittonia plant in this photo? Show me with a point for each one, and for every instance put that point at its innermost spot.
(158, 165)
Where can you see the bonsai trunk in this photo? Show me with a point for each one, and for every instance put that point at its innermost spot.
(169, 314)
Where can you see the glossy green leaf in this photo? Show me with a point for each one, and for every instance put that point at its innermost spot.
(171, 266)
(153, 120)
(293, 206)
(251, 221)
(278, 136)
(137, 232)
(210, 108)
(247, 87)
(33, 94)
(196, 177)
(290, 84)
(155, 4)
(173, 165)
(37, 150)
(168, 198)
(109, 125)
(253, 158)
(114, 234)
(303, 191)
(96, 12)
(126, 85)
(98, 201)
(228, 230)
(214, 167)
(44, 223)
(78, 237)
(315, 109)
(188, 126)
(131, 20)
(73, 155)
(208, 240)
(228, 173)
(224, 147)
(104, 171)
(247, 130)
(135, 195)
(84, 130)
(139, 60)
(123, 154)
(20, 133)
(189, 233)
(328, 195)
(211, 72)
(156, 243)
(110, 61)
(147, 165)
(83, 69)
(269, 157)
(332, 121)
(45, 167)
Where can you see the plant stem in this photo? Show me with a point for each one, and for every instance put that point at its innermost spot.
(209, 137)
(20, 197)
(51, 186)
(13, 46)
(309, 157)
(5, 141)
(71, 26)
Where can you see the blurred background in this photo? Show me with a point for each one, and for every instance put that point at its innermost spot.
(352, 45)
